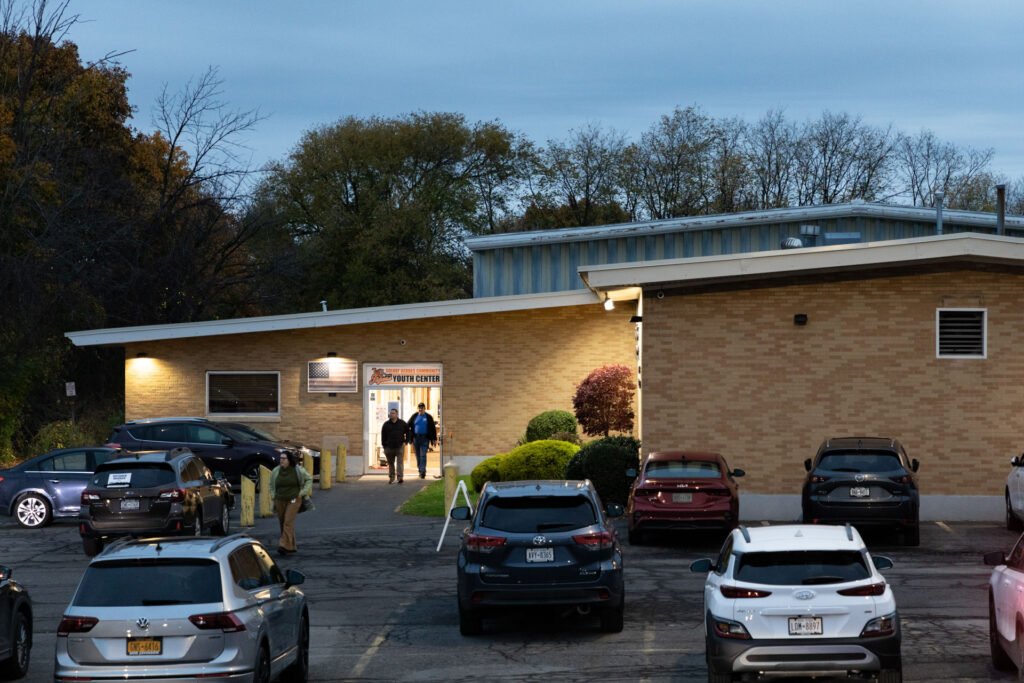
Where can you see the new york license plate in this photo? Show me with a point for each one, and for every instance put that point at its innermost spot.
(145, 646)
(540, 554)
(805, 626)
(130, 504)
(682, 497)
(859, 492)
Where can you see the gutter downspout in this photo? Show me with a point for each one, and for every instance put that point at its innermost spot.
(938, 213)
(1000, 208)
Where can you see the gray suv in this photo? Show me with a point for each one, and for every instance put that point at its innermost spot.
(178, 608)
(539, 543)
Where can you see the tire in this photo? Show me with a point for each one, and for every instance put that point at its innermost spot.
(33, 511)
(612, 618)
(1013, 523)
(471, 623)
(891, 675)
(1000, 659)
(197, 524)
(92, 546)
(16, 666)
(912, 535)
(252, 473)
(223, 526)
(299, 671)
(261, 672)
(715, 676)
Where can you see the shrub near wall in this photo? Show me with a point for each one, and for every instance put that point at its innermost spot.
(547, 423)
(535, 460)
(486, 471)
(604, 462)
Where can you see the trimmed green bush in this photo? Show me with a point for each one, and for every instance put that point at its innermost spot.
(547, 423)
(571, 437)
(486, 471)
(544, 459)
(604, 462)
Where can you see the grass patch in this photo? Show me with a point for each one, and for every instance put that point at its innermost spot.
(429, 501)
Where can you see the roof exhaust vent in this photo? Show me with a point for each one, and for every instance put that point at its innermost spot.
(792, 243)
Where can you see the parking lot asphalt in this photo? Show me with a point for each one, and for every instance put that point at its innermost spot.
(382, 601)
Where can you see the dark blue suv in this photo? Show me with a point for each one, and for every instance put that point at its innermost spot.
(539, 543)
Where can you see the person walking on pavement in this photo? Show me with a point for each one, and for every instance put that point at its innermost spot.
(422, 431)
(393, 436)
(289, 484)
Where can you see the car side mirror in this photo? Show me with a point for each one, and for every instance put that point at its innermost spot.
(461, 512)
(5, 573)
(994, 558)
(631, 473)
(701, 566)
(737, 473)
(807, 464)
(914, 464)
(614, 509)
(1015, 461)
(227, 442)
(293, 577)
(881, 562)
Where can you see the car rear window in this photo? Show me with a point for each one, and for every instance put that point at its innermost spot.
(802, 567)
(682, 469)
(538, 513)
(860, 461)
(139, 583)
(140, 475)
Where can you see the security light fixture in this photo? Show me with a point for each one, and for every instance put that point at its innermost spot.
(331, 354)
(140, 354)
(609, 304)
(636, 319)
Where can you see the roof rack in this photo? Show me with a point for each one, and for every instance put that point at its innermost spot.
(221, 542)
(149, 420)
(746, 534)
(849, 531)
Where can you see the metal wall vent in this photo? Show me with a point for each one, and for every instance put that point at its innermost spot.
(961, 333)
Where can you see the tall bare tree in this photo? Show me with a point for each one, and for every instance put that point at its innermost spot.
(770, 151)
(928, 165)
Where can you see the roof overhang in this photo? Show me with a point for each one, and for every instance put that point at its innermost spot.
(357, 316)
(611, 281)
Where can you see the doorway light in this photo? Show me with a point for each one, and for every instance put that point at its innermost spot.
(609, 304)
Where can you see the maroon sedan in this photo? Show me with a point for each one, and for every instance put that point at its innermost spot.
(683, 490)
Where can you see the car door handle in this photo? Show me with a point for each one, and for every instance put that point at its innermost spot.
(55, 481)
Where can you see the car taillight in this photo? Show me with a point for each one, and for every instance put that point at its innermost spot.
(871, 589)
(725, 628)
(173, 495)
(880, 626)
(735, 592)
(483, 544)
(903, 479)
(225, 621)
(89, 497)
(599, 541)
(75, 625)
(817, 479)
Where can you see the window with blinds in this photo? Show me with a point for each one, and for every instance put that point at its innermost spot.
(961, 333)
(231, 393)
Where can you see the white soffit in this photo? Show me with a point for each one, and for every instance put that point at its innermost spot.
(355, 316)
(756, 265)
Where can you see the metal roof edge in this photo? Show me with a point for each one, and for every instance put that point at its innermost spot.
(354, 316)
(732, 220)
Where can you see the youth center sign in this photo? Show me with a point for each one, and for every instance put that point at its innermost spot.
(388, 375)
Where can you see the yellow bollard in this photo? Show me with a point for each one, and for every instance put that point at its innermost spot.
(307, 462)
(247, 517)
(451, 472)
(266, 505)
(325, 470)
(342, 453)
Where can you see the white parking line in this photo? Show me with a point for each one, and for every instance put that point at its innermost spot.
(944, 526)
(364, 661)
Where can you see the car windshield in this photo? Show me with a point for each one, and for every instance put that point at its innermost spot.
(801, 567)
(538, 513)
(140, 583)
(682, 469)
(860, 461)
(140, 475)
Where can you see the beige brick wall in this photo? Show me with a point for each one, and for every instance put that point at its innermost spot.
(729, 371)
(500, 369)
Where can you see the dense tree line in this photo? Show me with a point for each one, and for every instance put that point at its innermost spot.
(105, 222)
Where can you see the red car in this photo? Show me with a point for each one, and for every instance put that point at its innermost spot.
(683, 490)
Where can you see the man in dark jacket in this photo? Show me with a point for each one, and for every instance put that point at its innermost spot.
(422, 431)
(392, 438)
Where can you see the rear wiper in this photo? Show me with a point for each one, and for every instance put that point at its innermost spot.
(147, 603)
(822, 579)
(555, 525)
(846, 469)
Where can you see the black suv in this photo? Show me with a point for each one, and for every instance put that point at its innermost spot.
(222, 448)
(867, 481)
(153, 493)
(540, 543)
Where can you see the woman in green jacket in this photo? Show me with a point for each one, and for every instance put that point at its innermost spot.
(289, 484)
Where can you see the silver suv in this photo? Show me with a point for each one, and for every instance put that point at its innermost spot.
(180, 608)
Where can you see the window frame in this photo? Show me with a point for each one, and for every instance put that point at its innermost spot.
(276, 415)
(984, 333)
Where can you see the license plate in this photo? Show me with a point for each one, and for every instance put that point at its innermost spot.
(860, 492)
(540, 554)
(130, 504)
(682, 497)
(145, 646)
(805, 626)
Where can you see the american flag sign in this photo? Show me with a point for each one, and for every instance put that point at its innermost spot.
(334, 375)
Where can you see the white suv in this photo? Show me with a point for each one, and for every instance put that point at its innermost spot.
(799, 599)
(1005, 612)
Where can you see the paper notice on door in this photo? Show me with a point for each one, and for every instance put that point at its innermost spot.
(119, 479)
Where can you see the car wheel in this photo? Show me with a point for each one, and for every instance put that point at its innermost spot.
(224, 525)
(16, 666)
(299, 671)
(891, 675)
(912, 535)
(92, 546)
(261, 674)
(1000, 659)
(1013, 523)
(252, 473)
(612, 617)
(197, 524)
(470, 622)
(716, 676)
(33, 511)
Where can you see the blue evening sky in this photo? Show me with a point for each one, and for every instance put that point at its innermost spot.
(545, 67)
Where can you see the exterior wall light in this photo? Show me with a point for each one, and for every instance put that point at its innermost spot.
(331, 354)
(608, 304)
(140, 354)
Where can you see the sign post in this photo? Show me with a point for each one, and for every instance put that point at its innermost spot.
(448, 515)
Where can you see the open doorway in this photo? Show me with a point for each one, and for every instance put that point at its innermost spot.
(402, 387)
